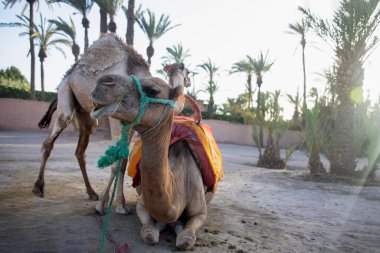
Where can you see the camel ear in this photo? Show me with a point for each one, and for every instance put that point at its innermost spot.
(166, 68)
(182, 66)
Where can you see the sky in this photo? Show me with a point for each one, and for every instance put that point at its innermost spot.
(224, 31)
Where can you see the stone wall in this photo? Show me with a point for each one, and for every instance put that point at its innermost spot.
(17, 114)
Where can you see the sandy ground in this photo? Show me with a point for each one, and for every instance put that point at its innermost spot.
(255, 210)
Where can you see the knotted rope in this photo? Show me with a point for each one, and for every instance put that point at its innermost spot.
(121, 149)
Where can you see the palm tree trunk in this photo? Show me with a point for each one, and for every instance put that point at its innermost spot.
(42, 81)
(210, 107)
(131, 21)
(258, 112)
(112, 25)
(32, 53)
(150, 52)
(304, 108)
(349, 76)
(75, 49)
(103, 22)
(249, 83)
(315, 164)
(86, 25)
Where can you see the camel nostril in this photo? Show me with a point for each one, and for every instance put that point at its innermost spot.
(107, 80)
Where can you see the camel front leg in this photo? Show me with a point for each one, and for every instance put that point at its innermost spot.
(150, 233)
(186, 238)
(101, 206)
(121, 208)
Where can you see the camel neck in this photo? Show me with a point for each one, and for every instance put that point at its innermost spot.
(156, 177)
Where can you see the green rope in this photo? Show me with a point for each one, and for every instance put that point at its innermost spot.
(121, 149)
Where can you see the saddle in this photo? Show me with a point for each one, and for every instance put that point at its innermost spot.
(202, 144)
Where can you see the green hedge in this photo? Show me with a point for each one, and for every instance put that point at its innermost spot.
(10, 92)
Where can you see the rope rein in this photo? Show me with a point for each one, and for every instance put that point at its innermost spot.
(121, 149)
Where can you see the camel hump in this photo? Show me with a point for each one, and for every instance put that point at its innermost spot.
(105, 52)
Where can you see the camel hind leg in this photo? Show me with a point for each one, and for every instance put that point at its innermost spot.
(87, 126)
(65, 109)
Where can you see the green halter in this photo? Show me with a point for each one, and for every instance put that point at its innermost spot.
(121, 149)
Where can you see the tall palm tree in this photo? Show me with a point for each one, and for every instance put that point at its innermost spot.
(109, 7)
(261, 65)
(351, 33)
(152, 29)
(300, 29)
(211, 69)
(131, 16)
(31, 25)
(68, 30)
(176, 53)
(245, 66)
(84, 7)
(44, 35)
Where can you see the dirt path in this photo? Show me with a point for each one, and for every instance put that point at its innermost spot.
(255, 210)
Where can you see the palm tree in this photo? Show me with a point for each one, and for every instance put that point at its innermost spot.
(245, 66)
(261, 65)
(84, 7)
(44, 35)
(152, 29)
(276, 128)
(300, 29)
(176, 53)
(31, 26)
(351, 32)
(68, 30)
(313, 139)
(295, 100)
(211, 69)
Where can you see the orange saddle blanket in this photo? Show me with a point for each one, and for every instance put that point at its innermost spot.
(202, 144)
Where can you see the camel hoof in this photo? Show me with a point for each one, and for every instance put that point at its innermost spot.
(93, 196)
(121, 209)
(186, 239)
(100, 208)
(38, 189)
(150, 234)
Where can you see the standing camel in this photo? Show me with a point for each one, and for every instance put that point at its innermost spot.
(171, 186)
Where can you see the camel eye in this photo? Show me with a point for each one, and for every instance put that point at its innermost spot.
(151, 92)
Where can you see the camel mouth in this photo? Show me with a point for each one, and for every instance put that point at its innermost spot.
(102, 110)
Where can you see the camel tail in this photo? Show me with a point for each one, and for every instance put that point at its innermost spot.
(46, 119)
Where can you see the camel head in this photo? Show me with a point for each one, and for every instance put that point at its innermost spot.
(119, 97)
(178, 75)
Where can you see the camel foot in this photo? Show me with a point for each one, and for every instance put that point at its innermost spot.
(122, 209)
(150, 234)
(101, 209)
(93, 196)
(186, 239)
(38, 189)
